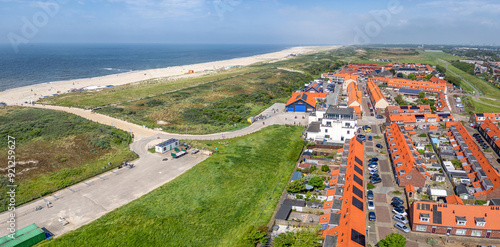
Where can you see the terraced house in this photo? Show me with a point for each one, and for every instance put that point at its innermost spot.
(408, 166)
(377, 98)
(455, 219)
(478, 118)
(491, 133)
(419, 118)
(484, 179)
(344, 221)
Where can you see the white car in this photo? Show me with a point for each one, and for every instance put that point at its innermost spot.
(399, 211)
(400, 218)
(402, 227)
(371, 205)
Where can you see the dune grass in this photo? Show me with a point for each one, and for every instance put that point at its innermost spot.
(56, 149)
(213, 204)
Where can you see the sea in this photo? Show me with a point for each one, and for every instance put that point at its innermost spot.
(45, 63)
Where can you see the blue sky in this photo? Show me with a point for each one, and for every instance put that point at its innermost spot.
(251, 21)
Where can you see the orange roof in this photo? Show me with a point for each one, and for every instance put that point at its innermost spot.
(401, 151)
(375, 93)
(410, 188)
(433, 127)
(412, 84)
(491, 175)
(449, 214)
(340, 150)
(352, 220)
(454, 199)
(357, 109)
(305, 97)
(355, 95)
(409, 128)
(426, 118)
(487, 115)
(345, 76)
(408, 109)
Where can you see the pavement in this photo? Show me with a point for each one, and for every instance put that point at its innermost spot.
(86, 201)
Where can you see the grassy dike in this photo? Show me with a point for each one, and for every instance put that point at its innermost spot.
(212, 204)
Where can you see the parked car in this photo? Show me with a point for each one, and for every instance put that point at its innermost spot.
(374, 176)
(398, 199)
(402, 227)
(399, 211)
(379, 145)
(373, 163)
(498, 160)
(369, 195)
(370, 138)
(396, 204)
(400, 218)
(376, 181)
(371, 205)
(379, 116)
(371, 114)
(376, 159)
(372, 216)
(371, 167)
(373, 172)
(374, 169)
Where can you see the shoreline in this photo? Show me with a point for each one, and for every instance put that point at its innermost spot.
(31, 93)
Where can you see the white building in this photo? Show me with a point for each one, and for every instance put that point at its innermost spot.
(333, 125)
(166, 145)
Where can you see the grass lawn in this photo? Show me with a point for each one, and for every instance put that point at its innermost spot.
(479, 107)
(55, 150)
(213, 204)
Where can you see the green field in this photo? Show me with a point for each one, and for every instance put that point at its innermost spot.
(479, 107)
(54, 150)
(213, 204)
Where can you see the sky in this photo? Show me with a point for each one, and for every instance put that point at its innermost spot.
(295, 22)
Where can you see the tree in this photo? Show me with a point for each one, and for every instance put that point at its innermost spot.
(400, 75)
(317, 182)
(428, 77)
(255, 235)
(308, 177)
(441, 69)
(393, 240)
(284, 239)
(325, 168)
(296, 186)
(421, 95)
(393, 71)
(412, 76)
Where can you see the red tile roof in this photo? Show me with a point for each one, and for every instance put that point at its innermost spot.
(355, 95)
(309, 98)
(375, 93)
(454, 199)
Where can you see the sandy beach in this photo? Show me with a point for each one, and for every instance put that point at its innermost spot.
(18, 96)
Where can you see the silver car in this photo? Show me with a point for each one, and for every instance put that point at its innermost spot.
(402, 227)
(400, 218)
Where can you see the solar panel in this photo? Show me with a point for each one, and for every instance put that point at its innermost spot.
(358, 170)
(404, 107)
(358, 161)
(419, 116)
(304, 96)
(414, 107)
(357, 203)
(358, 180)
(357, 191)
(436, 215)
(358, 237)
(298, 96)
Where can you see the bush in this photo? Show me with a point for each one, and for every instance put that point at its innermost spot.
(370, 186)
(481, 202)
(393, 240)
(422, 135)
(255, 235)
(63, 160)
(325, 168)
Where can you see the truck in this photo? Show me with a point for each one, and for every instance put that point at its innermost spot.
(178, 154)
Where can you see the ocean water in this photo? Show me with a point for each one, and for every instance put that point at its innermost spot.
(42, 63)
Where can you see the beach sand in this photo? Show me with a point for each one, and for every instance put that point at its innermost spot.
(21, 95)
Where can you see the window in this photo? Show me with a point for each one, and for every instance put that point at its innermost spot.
(461, 223)
(348, 132)
(326, 130)
(409, 177)
(424, 219)
(480, 223)
(476, 233)
(460, 232)
(421, 228)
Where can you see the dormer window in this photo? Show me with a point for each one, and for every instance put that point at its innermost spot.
(480, 221)
(461, 221)
(424, 217)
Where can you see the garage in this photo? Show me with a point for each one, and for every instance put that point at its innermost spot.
(300, 108)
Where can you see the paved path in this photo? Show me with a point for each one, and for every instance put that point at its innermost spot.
(279, 117)
(477, 92)
(84, 202)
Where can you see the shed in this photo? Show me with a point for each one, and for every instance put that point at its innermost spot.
(27, 236)
(166, 145)
(437, 194)
(283, 212)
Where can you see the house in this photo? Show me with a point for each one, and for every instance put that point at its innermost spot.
(419, 118)
(408, 109)
(484, 178)
(355, 95)
(439, 177)
(297, 205)
(478, 118)
(408, 165)
(344, 79)
(491, 134)
(333, 125)
(416, 85)
(455, 219)
(377, 98)
(345, 226)
(166, 145)
(314, 88)
(302, 102)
